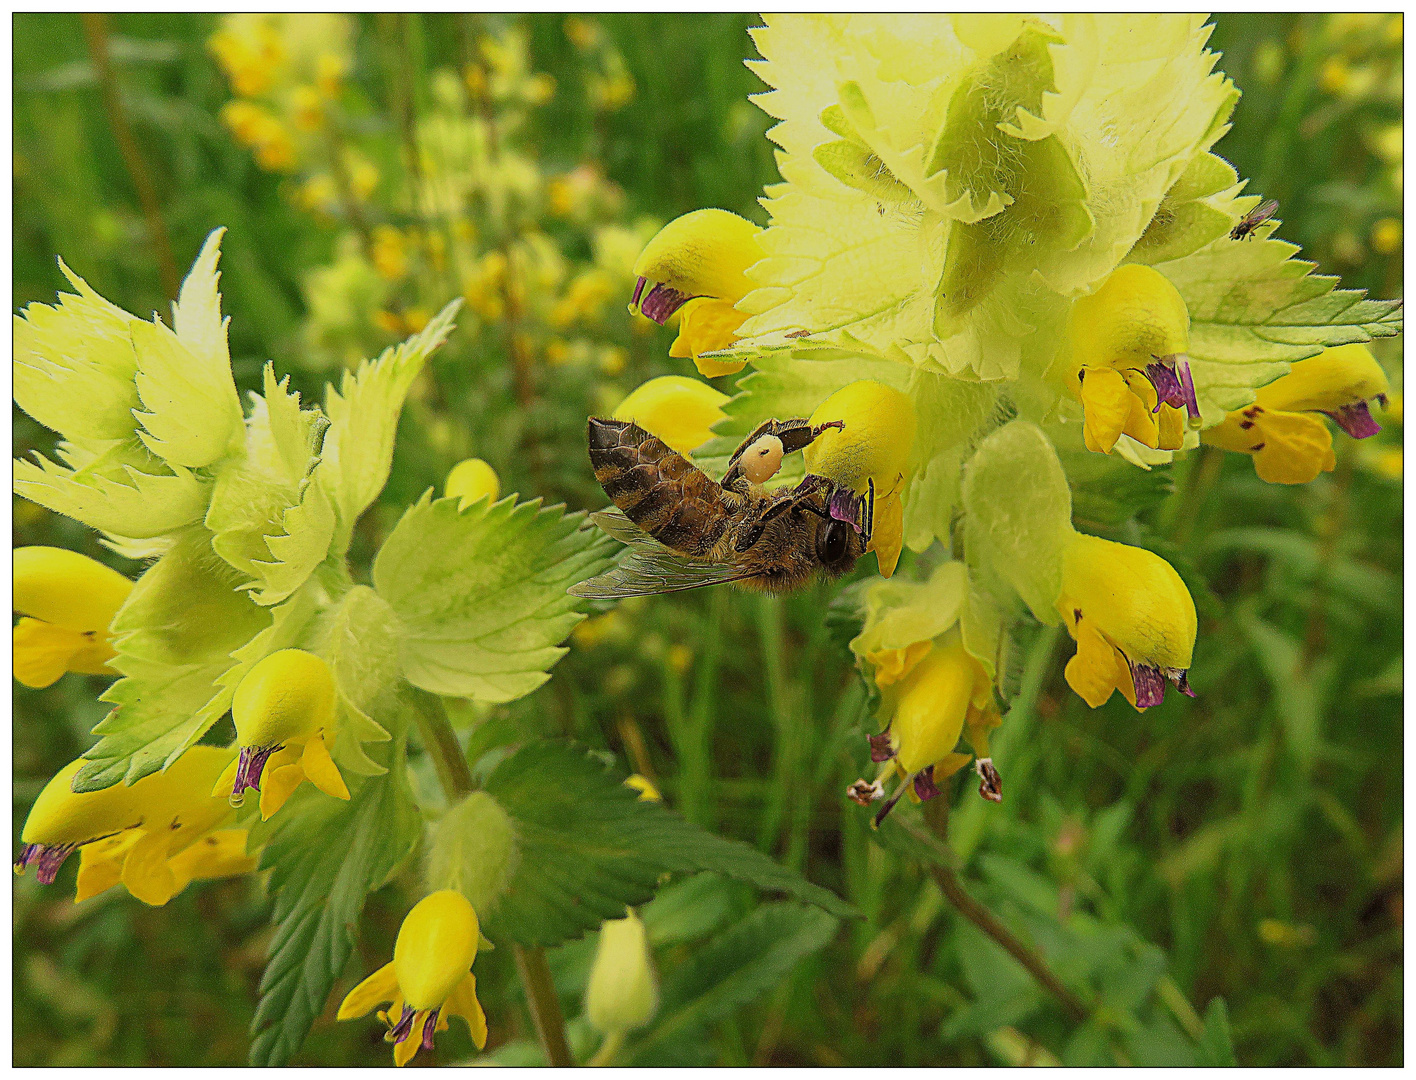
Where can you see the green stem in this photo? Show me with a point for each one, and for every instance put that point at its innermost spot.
(937, 814)
(442, 746)
(608, 1049)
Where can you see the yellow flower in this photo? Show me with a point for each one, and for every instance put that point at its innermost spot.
(945, 688)
(622, 993)
(389, 253)
(647, 791)
(702, 255)
(154, 836)
(679, 410)
(1386, 236)
(873, 446)
(1132, 619)
(284, 713)
(1290, 446)
(429, 978)
(66, 601)
(1129, 366)
(470, 481)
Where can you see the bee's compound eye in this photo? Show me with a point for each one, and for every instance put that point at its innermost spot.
(831, 542)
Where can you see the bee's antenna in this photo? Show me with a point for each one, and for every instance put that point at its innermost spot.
(869, 508)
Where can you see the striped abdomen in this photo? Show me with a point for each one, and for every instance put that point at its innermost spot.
(658, 489)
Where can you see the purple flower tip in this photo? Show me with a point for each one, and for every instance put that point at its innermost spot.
(46, 858)
(880, 748)
(1167, 385)
(430, 1027)
(845, 505)
(1356, 420)
(659, 302)
(404, 1027)
(249, 767)
(924, 784)
(1149, 683)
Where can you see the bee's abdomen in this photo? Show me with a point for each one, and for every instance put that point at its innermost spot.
(658, 489)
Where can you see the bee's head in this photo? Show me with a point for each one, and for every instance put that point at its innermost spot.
(842, 538)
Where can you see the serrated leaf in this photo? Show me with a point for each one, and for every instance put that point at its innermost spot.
(191, 415)
(734, 969)
(175, 636)
(325, 855)
(1107, 493)
(1254, 309)
(254, 494)
(98, 486)
(587, 847)
(308, 532)
(363, 415)
(74, 365)
(482, 592)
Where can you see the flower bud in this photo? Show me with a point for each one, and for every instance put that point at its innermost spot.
(473, 851)
(678, 410)
(67, 601)
(435, 948)
(288, 695)
(1132, 618)
(875, 443)
(622, 993)
(470, 481)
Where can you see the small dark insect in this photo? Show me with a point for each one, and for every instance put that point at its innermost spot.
(1253, 219)
(685, 531)
(797, 333)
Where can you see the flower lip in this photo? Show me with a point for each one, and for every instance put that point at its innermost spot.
(249, 767)
(401, 1030)
(659, 302)
(430, 1027)
(1355, 419)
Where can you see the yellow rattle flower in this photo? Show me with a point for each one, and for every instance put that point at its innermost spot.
(698, 263)
(678, 410)
(1288, 444)
(470, 481)
(284, 713)
(153, 836)
(1132, 618)
(429, 978)
(873, 445)
(622, 993)
(66, 602)
(1129, 366)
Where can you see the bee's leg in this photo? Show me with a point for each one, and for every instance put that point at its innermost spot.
(794, 434)
(754, 531)
(733, 478)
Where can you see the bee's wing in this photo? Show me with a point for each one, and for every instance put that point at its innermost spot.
(648, 567)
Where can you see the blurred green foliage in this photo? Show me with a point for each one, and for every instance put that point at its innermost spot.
(1246, 845)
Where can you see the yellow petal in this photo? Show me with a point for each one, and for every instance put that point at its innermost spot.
(875, 442)
(145, 871)
(277, 785)
(888, 537)
(216, 855)
(892, 665)
(435, 948)
(680, 411)
(67, 589)
(980, 722)
(1106, 405)
(1339, 376)
(1136, 316)
(288, 695)
(380, 987)
(949, 764)
(101, 864)
(1295, 448)
(704, 253)
(706, 325)
(404, 1051)
(647, 791)
(1093, 671)
(933, 701)
(227, 780)
(1172, 427)
(43, 651)
(463, 1002)
(321, 770)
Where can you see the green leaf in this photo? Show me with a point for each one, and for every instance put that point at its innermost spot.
(193, 416)
(325, 856)
(482, 592)
(363, 414)
(587, 847)
(1107, 493)
(1216, 1046)
(74, 365)
(1295, 694)
(103, 486)
(1254, 309)
(175, 637)
(732, 970)
(270, 519)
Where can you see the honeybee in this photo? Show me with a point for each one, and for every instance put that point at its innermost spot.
(686, 531)
(1253, 219)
